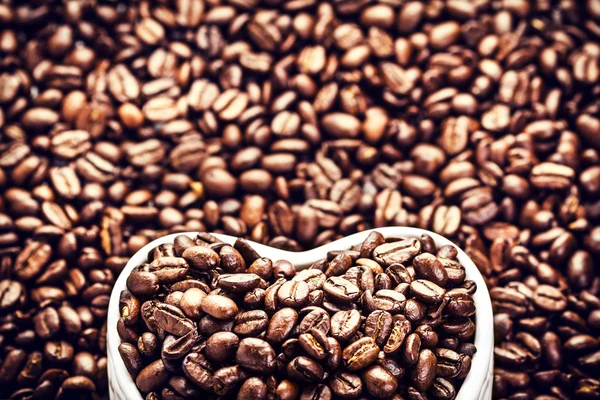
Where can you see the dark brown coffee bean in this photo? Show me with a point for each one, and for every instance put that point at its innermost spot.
(344, 324)
(171, 319)
(305, 370)
(379, 382)
(251, 323)
(378, 326)
(443, 389)
(201, 257)
(315, 344)
(397, 252)
(61, 352)
(430, 268)
(177, 348)
(32, 260)
(12, 364)
(169, 269)
(226, 379)
(239, 283)
(460, 304)
(359, 354)
(314, 278)
(549, 298)
(256, 355)
(191, 302)
(76, 386)
(153, 376)
(281, 325)
(399, 333)
(142, 283)
(47, 323)
(11, 293)
(221, 346)
(427, 291)
(424, 370)
(346, 385)
(147, 344)
(293, 294)
(262, 267)
(253, 388)
(219, 307)
(340, 289)
(317, 392)
(131, 358)
(198, 370)
(219, 182)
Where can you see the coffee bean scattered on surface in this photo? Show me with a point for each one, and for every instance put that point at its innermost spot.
(294, 123)
(358, 324)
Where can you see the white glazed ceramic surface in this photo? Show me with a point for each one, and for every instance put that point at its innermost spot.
(477, 385)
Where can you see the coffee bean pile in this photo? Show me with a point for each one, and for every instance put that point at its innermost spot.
(293, 123)
(390, 319)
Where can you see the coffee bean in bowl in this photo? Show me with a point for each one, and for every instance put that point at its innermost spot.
(375, 315)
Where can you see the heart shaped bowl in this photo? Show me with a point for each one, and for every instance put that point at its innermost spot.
(477, 385)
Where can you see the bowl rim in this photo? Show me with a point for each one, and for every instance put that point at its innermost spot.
(480, 375)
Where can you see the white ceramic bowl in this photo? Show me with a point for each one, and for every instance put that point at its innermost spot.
(477, 385)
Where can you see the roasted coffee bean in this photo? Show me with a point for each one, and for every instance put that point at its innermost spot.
(198, 370)
(428, 267)
(142, 283)
(361, 353)
(253, 388)
(174, 349)
(131, 358)
(293, 294)
(378, 326)
(281, 325)
(305, 370)
(315, 318)
(221, 346)
(314, 278)
(429, 337)
(256, 355)
(287, 389)
(317, 392)
(379, 382)
(153, 376)
(227, 379)
(389, 300)
(147, 344)
(201, 257)
(250, 323)
(61, 352)
(549, 298)
(191, 303)
(346, 385)
(399, 333)
(427, 291)
(219, 307)
(315, 344)
(414, 310)
(238, 283)
(424, 370)
(345, 324)
(397, 252)
(31, 261)
(171, 319)
(11, 293)
(412, 346)
(443, 389)
(460, 304)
